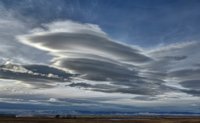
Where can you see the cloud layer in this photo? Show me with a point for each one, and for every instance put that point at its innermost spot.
(81, 59)
(36, 75)
(50, 62)
(86, 50)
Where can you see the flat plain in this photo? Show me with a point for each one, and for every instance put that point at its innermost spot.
(102, 120)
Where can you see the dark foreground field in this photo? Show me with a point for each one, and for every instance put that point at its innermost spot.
(104, 120)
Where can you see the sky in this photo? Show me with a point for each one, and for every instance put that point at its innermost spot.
(99, 56)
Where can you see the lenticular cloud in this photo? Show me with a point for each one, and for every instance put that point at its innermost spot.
(85, 50)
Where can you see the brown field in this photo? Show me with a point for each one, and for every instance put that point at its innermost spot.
(104, 120)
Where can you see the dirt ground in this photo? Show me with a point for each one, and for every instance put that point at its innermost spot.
(100, 120)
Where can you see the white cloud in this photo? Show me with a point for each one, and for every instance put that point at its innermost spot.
(110, 71)
(82, 48)
(10, 48)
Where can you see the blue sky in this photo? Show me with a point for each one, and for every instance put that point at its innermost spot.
(143, 23)
(130, 55)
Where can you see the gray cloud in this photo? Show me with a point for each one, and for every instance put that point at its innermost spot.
(185, 74)
(38, 75)
(81, 42)
(140, 87)
(80, 61)
(87, 51)
(116, 74)
(191, 92)
(192, 84)
(99, 70)
(177, 58)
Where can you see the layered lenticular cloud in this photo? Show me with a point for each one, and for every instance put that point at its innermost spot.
(82, 38)
(75, 57)
(77, 64)
(109, 66)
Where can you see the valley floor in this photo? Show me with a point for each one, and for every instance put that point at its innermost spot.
(103, 120)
